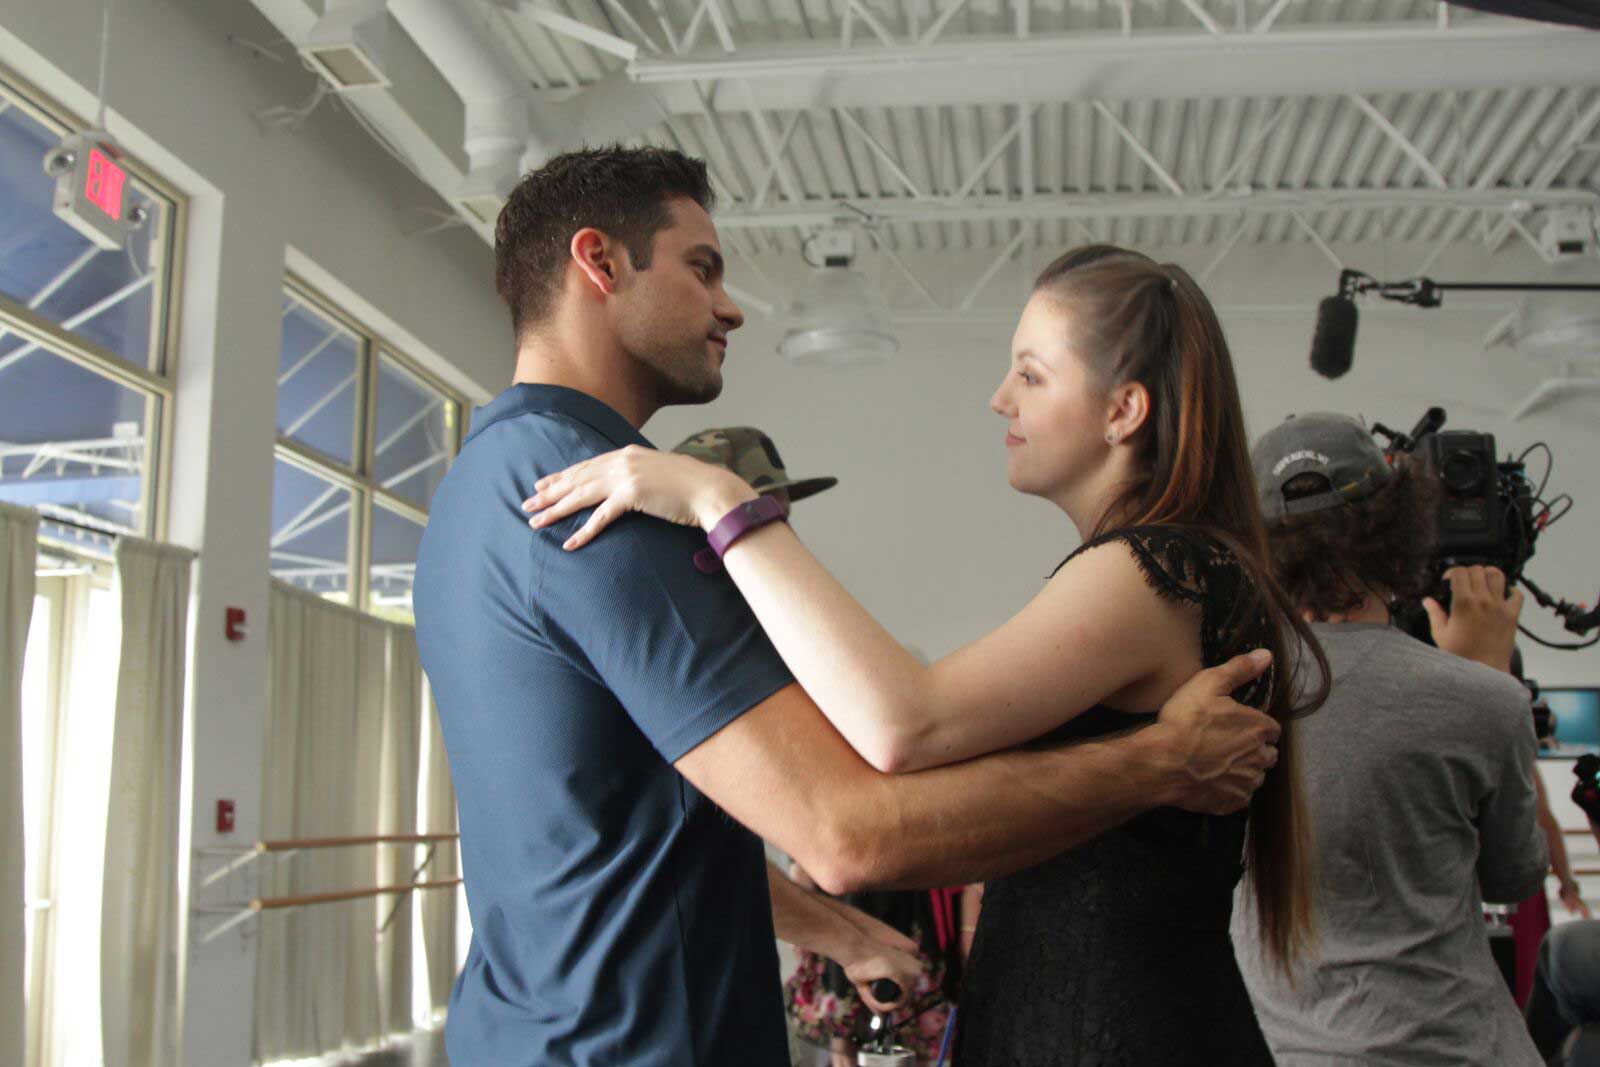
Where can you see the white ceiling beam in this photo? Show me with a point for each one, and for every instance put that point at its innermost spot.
(1158, 65)
(712, 11)
(617, 9)
(872, 22)
(769, 144)
(1139, 149)
(1125, 205)
(659, 9)
(1554, 164)
(1270, 17)
(905, 268)
(578, 31)
(994, 268)
(1203, 16)
(880, 151)
(1316, 239)
(950, 11)
(719, 22)
(775, 159)
(1401, 141)
(1024, 116)
(1247, 153)
(1226, 250)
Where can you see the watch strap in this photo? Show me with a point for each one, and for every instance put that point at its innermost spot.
(748, 516)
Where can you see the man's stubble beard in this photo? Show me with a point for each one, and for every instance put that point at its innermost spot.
(680, 375)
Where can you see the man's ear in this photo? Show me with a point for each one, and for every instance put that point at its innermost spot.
(1128, 411)
(595, 255)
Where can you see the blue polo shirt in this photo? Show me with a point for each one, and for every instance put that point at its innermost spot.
(619, 916)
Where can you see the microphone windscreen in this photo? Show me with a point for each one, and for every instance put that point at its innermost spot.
(1333, 343)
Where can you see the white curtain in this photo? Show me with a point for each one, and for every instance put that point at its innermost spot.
(439, 905)
(139, 903)
(19, 530)
(402, 724)
(363, 1021)
(317, 967)
(312, 649)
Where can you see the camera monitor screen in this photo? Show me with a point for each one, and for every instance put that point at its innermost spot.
(1577, 718)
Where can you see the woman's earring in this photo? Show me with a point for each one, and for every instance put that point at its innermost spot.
(1111, 438)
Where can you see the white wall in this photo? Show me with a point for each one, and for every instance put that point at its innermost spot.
(329, 199)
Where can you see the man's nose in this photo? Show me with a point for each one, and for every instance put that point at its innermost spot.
(728, 314)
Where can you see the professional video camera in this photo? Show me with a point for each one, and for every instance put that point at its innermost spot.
(1490, 514)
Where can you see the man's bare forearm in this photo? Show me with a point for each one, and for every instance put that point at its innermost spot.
(808, 921)
(974, 821)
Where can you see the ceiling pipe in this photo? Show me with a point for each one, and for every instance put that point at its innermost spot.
(496, 100)
(508, 127)
(507, 134)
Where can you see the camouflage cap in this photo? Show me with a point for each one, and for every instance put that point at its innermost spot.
(751, 455)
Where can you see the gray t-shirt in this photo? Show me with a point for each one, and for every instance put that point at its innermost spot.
(1419, 778)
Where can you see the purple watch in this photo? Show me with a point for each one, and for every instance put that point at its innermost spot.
(748, 516)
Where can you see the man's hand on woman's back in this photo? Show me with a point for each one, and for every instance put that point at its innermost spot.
(1219, 750)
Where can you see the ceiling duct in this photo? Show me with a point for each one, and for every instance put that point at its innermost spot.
(508, 131)
(345, 46)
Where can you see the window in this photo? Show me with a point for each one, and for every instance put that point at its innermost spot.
(85, 342)
(364, 438)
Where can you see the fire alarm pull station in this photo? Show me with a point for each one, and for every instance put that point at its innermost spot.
(233, 627)
(224, 816)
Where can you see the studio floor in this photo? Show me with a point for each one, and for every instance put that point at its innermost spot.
(425, 1048)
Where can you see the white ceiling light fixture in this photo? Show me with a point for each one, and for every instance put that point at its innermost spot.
(839, 318)
(345, 46)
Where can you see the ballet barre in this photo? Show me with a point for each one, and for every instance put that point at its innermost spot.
(285, 848)
(289, 846)
(305, 900)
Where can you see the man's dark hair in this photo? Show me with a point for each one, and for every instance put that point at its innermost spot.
(1327, 561)
(623, 192)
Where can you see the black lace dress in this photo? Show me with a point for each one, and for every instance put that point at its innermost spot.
(1116, 954)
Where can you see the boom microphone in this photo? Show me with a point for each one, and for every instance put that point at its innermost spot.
(1333, 343)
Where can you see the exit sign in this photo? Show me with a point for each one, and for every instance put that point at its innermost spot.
(91, 188)
(102, 185)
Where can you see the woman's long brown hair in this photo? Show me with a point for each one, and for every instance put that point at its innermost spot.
(1132, 319)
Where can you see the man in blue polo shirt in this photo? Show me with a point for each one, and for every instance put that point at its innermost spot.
(606, 711)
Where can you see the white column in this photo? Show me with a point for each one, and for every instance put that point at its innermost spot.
(222, 505)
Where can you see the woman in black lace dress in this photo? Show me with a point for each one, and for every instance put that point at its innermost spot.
(1121, 408)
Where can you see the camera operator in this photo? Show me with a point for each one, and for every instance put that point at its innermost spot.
(1418, 771)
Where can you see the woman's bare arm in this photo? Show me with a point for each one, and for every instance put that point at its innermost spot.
(1095, 631)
